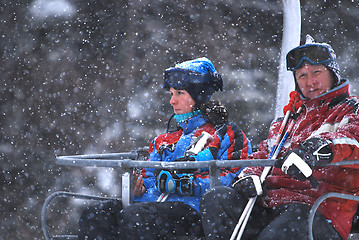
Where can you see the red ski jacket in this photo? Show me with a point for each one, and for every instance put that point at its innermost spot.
(332, 116)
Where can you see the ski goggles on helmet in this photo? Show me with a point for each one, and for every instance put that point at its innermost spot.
(177, 78)
(314, 54)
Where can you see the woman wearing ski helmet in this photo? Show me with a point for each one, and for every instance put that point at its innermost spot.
(191, 85)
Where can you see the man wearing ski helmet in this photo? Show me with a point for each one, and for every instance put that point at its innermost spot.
(191, 85)
(325, 130)
(323, 57)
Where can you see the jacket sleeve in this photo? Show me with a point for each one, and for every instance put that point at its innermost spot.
(234, 143)
(230, 143)
(345, 137)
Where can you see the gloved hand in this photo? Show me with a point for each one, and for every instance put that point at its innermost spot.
(294, 103)
(250, 186)
(299, 162)
(167, 182)
(170, 182)
(186, 184)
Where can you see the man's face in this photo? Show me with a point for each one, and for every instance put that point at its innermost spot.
(314, 80)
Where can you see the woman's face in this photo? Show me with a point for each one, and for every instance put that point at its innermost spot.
(181, 101)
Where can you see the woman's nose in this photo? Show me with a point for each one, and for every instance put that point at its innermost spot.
(173, 100)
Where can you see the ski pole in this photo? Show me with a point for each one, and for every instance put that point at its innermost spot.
(245, 215)
(288, 109)
(264, 175)
(267, 169)
(243, 219)
(273, 155)
(162, 197)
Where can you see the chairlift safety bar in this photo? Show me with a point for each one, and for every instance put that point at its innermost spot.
(128, 161)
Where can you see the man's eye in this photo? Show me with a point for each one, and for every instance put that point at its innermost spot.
(301, 76)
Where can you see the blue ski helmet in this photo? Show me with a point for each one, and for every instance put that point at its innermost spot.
(198, 77)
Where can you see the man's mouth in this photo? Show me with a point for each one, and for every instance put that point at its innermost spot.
(313, 90)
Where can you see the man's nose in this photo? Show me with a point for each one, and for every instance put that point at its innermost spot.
(311, 80)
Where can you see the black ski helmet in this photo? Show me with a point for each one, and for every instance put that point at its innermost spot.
(295, 59)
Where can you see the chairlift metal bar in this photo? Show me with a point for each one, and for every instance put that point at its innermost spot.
(319, 201)
(131, 160)
(64, 194)
(127, 161)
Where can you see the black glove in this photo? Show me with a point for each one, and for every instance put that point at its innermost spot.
(185, 184)
(299, 162)
(250, 186)
(315, 150)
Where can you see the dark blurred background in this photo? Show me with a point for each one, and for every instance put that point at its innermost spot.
(81, 77)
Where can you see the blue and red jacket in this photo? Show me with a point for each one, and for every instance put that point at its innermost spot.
(229, 143)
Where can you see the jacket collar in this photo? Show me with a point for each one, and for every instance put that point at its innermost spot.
(192, 123)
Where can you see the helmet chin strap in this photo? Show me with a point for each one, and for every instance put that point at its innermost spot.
(169, 123)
